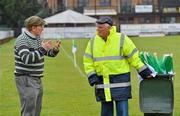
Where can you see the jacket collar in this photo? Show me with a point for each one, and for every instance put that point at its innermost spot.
(29, 34)
(112, 31)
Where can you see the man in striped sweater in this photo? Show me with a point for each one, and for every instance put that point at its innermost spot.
(29, 65)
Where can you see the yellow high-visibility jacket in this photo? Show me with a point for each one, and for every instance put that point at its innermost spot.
(110, 60)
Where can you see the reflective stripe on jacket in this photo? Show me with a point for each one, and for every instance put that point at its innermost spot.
(119, 86)
(112, 57)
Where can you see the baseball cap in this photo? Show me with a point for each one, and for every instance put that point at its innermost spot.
(34, 21)
(105, 19)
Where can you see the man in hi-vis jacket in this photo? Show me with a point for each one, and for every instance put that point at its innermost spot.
(107, 62)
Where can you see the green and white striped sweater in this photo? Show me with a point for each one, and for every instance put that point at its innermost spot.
(29, 55)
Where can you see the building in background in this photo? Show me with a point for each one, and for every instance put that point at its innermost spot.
(123, 11)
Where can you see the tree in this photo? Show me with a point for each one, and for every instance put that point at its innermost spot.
(15, 11)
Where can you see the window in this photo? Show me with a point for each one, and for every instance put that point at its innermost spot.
(168, 20)
(126, 6)
(62, 5)
(127, 20)
(147, 2)
(126, 2)
(105, 2)
(82, 3)
(147, 20)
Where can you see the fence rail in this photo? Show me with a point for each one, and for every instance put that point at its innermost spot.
(6, 33)
(138, 29)
(67, 32)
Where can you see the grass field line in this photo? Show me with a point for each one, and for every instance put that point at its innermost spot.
(70, 58)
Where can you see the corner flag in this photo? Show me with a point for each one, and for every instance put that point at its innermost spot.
(74, 49)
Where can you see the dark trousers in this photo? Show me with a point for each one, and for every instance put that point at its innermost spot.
(107, 108)
(30, 92)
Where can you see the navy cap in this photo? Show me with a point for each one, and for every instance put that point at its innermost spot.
(104, 20)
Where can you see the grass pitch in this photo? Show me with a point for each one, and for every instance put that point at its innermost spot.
(66, 89)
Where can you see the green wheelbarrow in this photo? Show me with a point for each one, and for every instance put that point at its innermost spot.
(157, 96)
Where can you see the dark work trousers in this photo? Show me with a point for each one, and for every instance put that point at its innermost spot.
(30, 91)
(107, 108)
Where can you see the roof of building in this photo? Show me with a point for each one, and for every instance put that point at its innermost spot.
(69, 16)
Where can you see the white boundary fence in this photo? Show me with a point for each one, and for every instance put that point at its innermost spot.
(150, 29)
(68, 32)
(6, 34)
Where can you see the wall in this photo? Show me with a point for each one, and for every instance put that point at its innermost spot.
(138, 29)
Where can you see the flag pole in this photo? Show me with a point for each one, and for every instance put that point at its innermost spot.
(75, 64)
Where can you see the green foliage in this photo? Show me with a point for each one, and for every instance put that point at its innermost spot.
(15, 11)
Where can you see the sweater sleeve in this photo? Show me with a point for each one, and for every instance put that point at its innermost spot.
(28, 55)
(52, 52)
